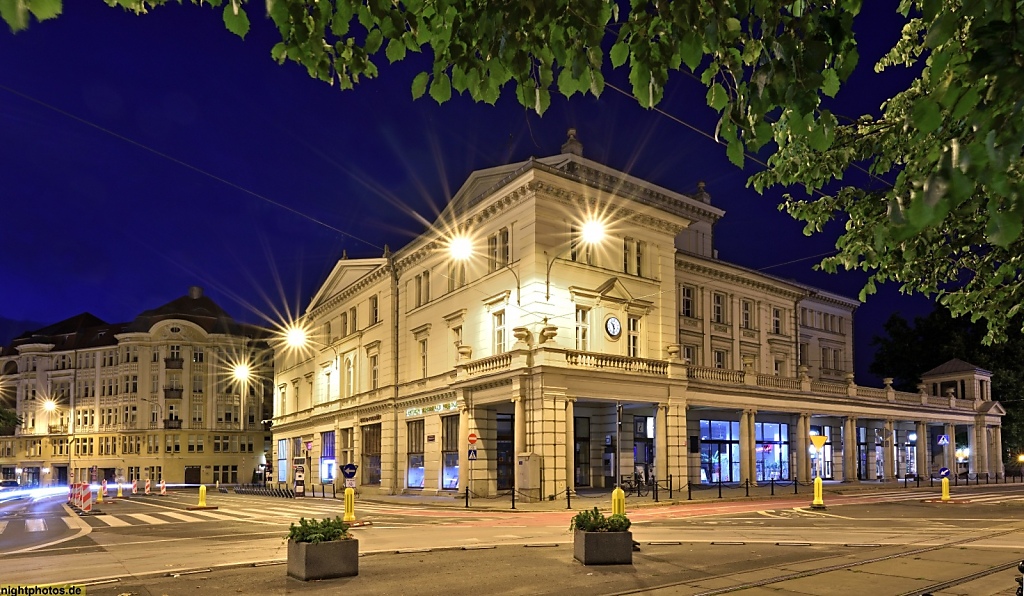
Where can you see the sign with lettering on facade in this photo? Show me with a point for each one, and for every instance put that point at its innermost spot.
(943, 439)
(445, 407)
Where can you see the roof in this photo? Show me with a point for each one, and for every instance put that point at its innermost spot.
(955, 366)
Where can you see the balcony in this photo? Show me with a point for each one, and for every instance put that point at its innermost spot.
(173, 392)
(172, 424)
(57, 429)
(174, 363)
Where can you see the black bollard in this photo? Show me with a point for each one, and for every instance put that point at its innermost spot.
(568, 499)
(746, 485)
(670, 487)
(655, 491)
(513, 497)
(918, 481)
(467, 497)
(719, 487)
(796, 485)
(772, 482)
(689, 490)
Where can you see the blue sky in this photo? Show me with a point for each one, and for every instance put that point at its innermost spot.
(142, 155)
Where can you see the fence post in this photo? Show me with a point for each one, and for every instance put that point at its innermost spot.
(719, 486)
(986, 477)
(670, 487)
(656, 491)
(746, 485)
(772, 482)
(905, 480)
(918, 478)
(689, 490)
(513, 497)
(568, 499)
(796, 485)
(467, 497)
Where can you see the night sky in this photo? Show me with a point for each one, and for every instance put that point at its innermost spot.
(142, 155)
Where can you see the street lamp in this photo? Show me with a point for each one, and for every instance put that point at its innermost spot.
(591, 233)
(460, 248)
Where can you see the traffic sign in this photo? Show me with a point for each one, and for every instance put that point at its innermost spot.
(943, 472)
(349, 470)
(472, 438)
(943, 439)
(819, 441)
(350, 483)
(472, 455)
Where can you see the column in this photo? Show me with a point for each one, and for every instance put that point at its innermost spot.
(850, 449)
(949, 453)
(803, 438)
(972, 445)
(570, 445)
(982, 444)
(464, 446)
(745, 440)
(678, 464)
(753, 447)
(661, 442)
(871, 453)
(997, 450)
(520, 426)
(889, 447)
(923, 464)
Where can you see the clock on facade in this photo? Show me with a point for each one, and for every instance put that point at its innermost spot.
(613, 326)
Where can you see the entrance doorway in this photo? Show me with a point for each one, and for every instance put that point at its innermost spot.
(506, 451)
(193, 475)
(60, 474)
(581, 426)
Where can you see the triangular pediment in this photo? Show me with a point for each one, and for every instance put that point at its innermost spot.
(611, 292)
(345, 273)
(992, 408)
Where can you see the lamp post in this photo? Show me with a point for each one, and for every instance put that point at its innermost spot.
(461, 249)
(591, 233)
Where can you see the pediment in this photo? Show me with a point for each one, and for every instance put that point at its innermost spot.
(611, 292)
(992, 408)
(345, 273)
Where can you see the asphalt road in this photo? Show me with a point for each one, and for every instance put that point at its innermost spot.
(877, 542)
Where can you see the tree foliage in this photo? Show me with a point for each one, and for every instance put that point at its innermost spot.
(949, 224)
(907, 350)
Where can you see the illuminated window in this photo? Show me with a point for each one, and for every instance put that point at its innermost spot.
(582, 328)
(498, 332)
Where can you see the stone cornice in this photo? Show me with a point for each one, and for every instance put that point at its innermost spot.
(592, 203)
(683, 264)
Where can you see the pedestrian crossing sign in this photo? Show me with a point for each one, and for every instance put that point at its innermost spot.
(943, 439)
(472, 455)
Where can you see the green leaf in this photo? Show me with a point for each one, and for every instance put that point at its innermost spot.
(692, 50)
(279, 52)
(235, 19)
(619, 53)
(566, 84)
(735, 152)
(419, 85)
(732, 24)
(15, 14)
(941, 30)
(926, 115)
(1004, 226)
(717, 97)
(342, 19)
(395, 50)
(441, 88)
(45, 9)
(374, 39)
(831, 84)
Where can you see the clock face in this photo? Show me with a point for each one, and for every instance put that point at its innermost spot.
(613, 326)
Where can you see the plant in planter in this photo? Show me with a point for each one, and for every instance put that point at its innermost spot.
(322, 550)
(600, 540)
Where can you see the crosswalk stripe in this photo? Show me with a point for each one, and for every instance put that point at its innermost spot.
(181, 516)
(35, 525)
(237, 512)
(3, 526)
(211, 515)
(147, 519)
(111, 521)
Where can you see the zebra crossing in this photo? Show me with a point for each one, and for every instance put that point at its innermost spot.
(974, 496)
(38, 524)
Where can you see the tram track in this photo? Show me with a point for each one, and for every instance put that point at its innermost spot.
(848, 565)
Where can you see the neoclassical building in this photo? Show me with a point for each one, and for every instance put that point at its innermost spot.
(508, 348)
(156, 398)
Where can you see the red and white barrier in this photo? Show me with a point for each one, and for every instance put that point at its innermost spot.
(147, 486)
(135, 486)
(87, 504)
(163, 489)
(103, 487)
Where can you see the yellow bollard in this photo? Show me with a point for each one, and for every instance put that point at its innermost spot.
(618, 501)
(119, 493)
(202, 495)
(350, 505)
(945, 489)
(102, 492)
(818, 502)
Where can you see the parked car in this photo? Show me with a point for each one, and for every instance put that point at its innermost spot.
(9, 485)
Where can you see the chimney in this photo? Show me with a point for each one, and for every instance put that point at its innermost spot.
(572, 144)
(195, 292)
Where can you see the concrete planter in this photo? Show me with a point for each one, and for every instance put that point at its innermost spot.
(324, 560)
(603, 548)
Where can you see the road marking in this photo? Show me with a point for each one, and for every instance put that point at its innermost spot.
(211, 515)
(3, 526)
(35, 525)
(183, 517)
(148, 519)
(810, 512)
(769, 514)
(111, 521)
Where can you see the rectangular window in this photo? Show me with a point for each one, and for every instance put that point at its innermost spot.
(498, 249)
(826, 358)
(686, 301)
(633, 337)
(689, 354)
(777, 320)
(328, 464)
(802, 353)
(371, 454)
(423, 358)
(582, 328)
(746, 314)
(579, 250)
(450, 452)
(282, 459)
(498, 333)
(720, 358)
(353, 320)
(374, 310)
(374, 371)
(344, 324)
(456, 275)
(415, 430)
(718, 308)
(345, 445)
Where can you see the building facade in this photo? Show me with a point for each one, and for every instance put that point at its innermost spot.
(157, 398)
(542, 360)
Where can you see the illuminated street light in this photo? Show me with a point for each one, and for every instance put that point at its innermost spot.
(1020, 458)
(241, 372)
(460, 248)
(591, 233)
(296, 337)
(49, 405)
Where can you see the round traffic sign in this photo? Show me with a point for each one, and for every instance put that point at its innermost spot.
(943, 472)
(472, 438)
